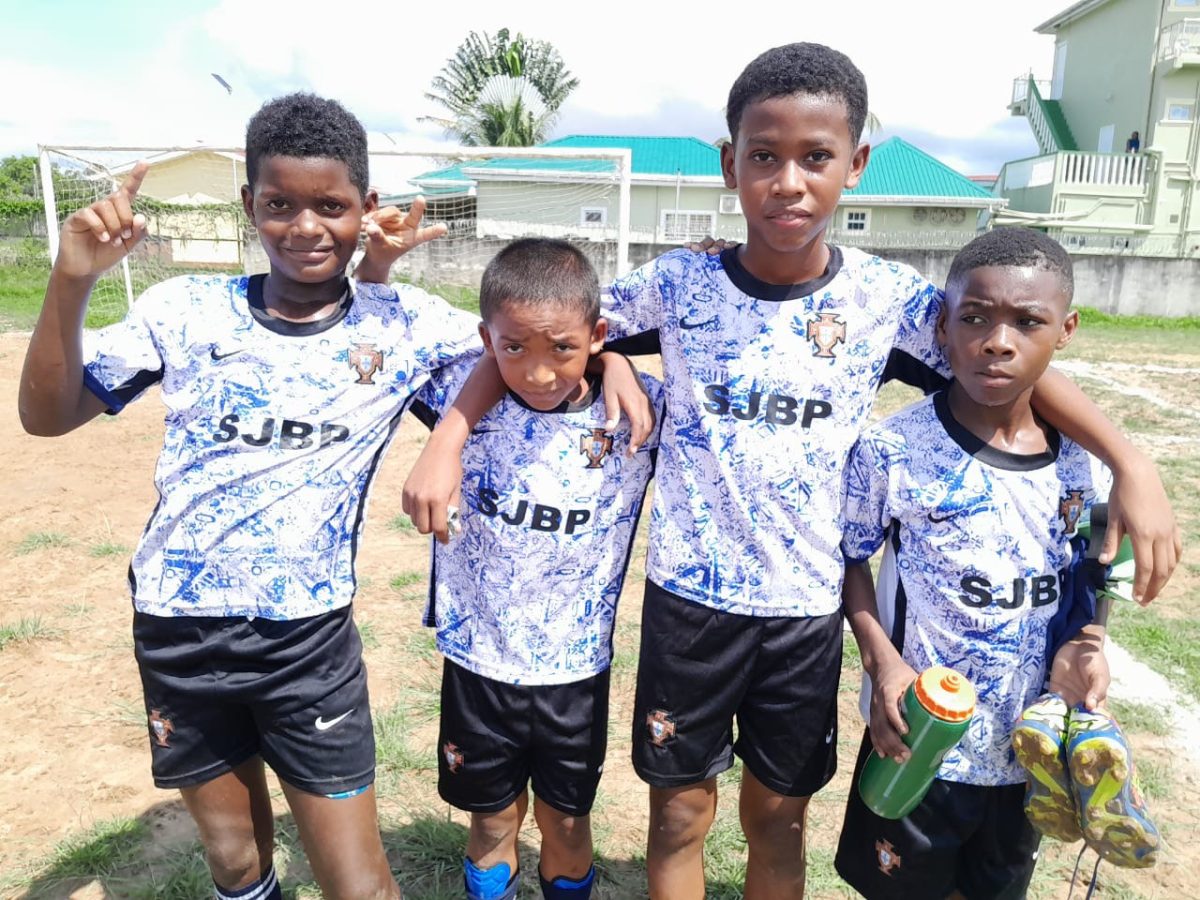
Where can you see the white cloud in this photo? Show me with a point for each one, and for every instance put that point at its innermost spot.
(930, 65)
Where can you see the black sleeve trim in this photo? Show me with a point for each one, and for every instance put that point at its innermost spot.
(424, 413)
(645, 344)
(904, 367)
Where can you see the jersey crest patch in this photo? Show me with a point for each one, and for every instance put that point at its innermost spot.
(1070, 508)
(453, 756)
(595, 445)
(887, 857)
(661, 727)
(366, 360)
(826, 331)
(160, 728)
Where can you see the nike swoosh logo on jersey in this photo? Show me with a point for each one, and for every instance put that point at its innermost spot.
(688, 326)
(216, 357)
(950, 515)
(322, 725)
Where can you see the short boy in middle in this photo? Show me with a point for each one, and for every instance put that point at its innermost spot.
(524, 598)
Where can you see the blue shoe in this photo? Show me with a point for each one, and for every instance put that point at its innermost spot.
(1039, 741)
(1112, 814)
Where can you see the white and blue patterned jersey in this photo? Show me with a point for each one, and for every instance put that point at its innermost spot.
(977, 543)
(767, 389)
(274, 430)
(527, 592)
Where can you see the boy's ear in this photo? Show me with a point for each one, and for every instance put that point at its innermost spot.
(1069, 325)
(486, 337)
(599, 333)
(940, 328)
(858, 165)
(727, 165)
(371, 201)
(248, 203)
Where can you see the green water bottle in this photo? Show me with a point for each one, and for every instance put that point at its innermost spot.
(937, 707)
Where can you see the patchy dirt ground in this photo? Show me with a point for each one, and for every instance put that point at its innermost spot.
(80, 817)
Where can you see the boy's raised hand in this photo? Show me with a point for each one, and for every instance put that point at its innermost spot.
(390, 233)
(889, 681)
(95, 238)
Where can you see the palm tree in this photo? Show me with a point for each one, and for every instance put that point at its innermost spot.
(535, 72)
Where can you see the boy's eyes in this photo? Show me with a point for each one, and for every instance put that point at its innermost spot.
(512, 348)
(761, 156)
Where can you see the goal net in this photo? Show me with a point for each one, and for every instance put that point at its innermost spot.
(486, 196)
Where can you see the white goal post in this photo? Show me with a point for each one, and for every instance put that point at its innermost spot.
(486, 196)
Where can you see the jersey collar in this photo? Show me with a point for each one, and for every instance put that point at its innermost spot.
(258, 309)
(762, 290)
(986, 453)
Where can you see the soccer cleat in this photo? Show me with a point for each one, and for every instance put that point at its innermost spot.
(1112, 813)
(1039, 741)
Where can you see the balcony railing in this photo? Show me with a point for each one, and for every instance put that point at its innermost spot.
(1020, 89)
(1179, 39)
(1124, 173)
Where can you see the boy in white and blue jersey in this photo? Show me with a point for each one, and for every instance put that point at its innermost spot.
(282, 393)
(772, 353)
(524, 599)
(975, 500)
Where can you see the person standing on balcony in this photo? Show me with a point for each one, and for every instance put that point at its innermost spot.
(1134, 144)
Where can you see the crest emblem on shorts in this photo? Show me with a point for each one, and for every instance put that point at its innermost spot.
(661, 727)
(887, 856)
(453, 756)
(160, 728)
(1070, 508)
(595, 446)
(826, 331)
(366, 360)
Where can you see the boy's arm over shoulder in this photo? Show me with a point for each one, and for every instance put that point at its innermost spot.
(439, 333)
(635, 304)
(1138, 504)
(917, 359)
(657, 394)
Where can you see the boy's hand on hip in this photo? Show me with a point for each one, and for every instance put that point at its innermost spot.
(95, 238)
(888, 683)
(390, 233)
(1138, 506)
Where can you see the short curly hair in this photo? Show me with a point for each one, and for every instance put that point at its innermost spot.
(540, 272)
(1013, 246)
(800, 69)
(304, 125)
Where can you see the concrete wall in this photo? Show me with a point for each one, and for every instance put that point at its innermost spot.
(1123, 285)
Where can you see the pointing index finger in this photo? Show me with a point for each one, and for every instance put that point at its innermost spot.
(133, 183)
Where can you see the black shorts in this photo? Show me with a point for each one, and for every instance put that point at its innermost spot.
(496, 737)
(220, 690)
(962, 837)
(700, 668)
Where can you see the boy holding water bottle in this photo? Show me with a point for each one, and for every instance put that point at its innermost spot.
(976, 500)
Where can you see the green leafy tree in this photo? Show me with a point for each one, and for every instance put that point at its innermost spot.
(500, 88)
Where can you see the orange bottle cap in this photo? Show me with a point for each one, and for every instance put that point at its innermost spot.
(945, 694)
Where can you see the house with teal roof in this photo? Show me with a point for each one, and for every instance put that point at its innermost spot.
(677, 194)
(1118, 163)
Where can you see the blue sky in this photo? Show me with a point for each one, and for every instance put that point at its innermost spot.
(138, 73)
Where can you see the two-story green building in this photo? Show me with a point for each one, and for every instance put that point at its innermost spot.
(1116, 125)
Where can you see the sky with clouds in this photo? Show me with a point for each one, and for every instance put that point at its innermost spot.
(939, 72)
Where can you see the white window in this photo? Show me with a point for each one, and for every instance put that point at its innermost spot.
(1180, 112)
(858, 220)
(1104, 142)
(683, 225)
(593, 215)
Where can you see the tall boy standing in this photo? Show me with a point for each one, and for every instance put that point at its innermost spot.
(525, 598)
(772, 353)
(977, 501)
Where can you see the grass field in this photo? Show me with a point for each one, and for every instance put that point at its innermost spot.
(78, 813)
